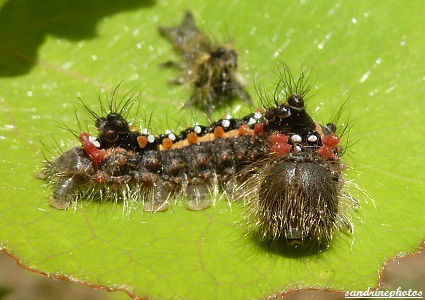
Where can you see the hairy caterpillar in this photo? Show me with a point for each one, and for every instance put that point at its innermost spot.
(283, 164)
(209, 68)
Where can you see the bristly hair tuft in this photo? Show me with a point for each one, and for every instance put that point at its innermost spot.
(114, 103)
(288, 84)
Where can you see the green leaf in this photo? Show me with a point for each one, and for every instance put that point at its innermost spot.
(369, 51)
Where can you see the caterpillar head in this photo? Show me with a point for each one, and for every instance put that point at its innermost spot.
(112, 129)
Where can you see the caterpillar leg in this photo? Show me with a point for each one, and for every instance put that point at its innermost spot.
(158, 198)
(197, 195)
(64, 190)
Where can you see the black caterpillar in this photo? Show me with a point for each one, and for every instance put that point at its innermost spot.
(285, 166)
(209, 68)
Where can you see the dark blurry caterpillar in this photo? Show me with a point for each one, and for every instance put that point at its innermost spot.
(284, 165)
(209, 68)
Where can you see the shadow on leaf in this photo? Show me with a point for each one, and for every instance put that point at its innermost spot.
(24, 25)
(284, 248)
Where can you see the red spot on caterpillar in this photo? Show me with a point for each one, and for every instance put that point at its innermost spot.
(331, 140)
(281, 149)
(122, 160)
(98, 156)
(326, 152)
(84, 138)
(218, 132)
(167, 143)
(280, 146)
(101, 177)
(95, 154)
(244, 130)
(142, 141)
(192, 138)
(277, 137)
(258, 128)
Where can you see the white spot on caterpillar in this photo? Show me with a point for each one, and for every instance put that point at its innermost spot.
(312, 138)
(252, 121)
(93, 140)
(197, 129)
(225, 123)
(172, 137)
(168, 131)
(297, 148)
(257, 115)
(151, 138)
(296, 138)
(145, 131)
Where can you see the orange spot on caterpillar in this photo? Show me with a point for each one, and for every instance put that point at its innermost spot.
(218, 132)
(331, 140)
(167, 143)
(192, 138)
(258, 128)
(142, 141)
(244, 130)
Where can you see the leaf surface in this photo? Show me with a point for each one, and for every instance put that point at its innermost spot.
(371, 52)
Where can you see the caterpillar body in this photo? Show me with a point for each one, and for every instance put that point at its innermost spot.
(282, 163)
